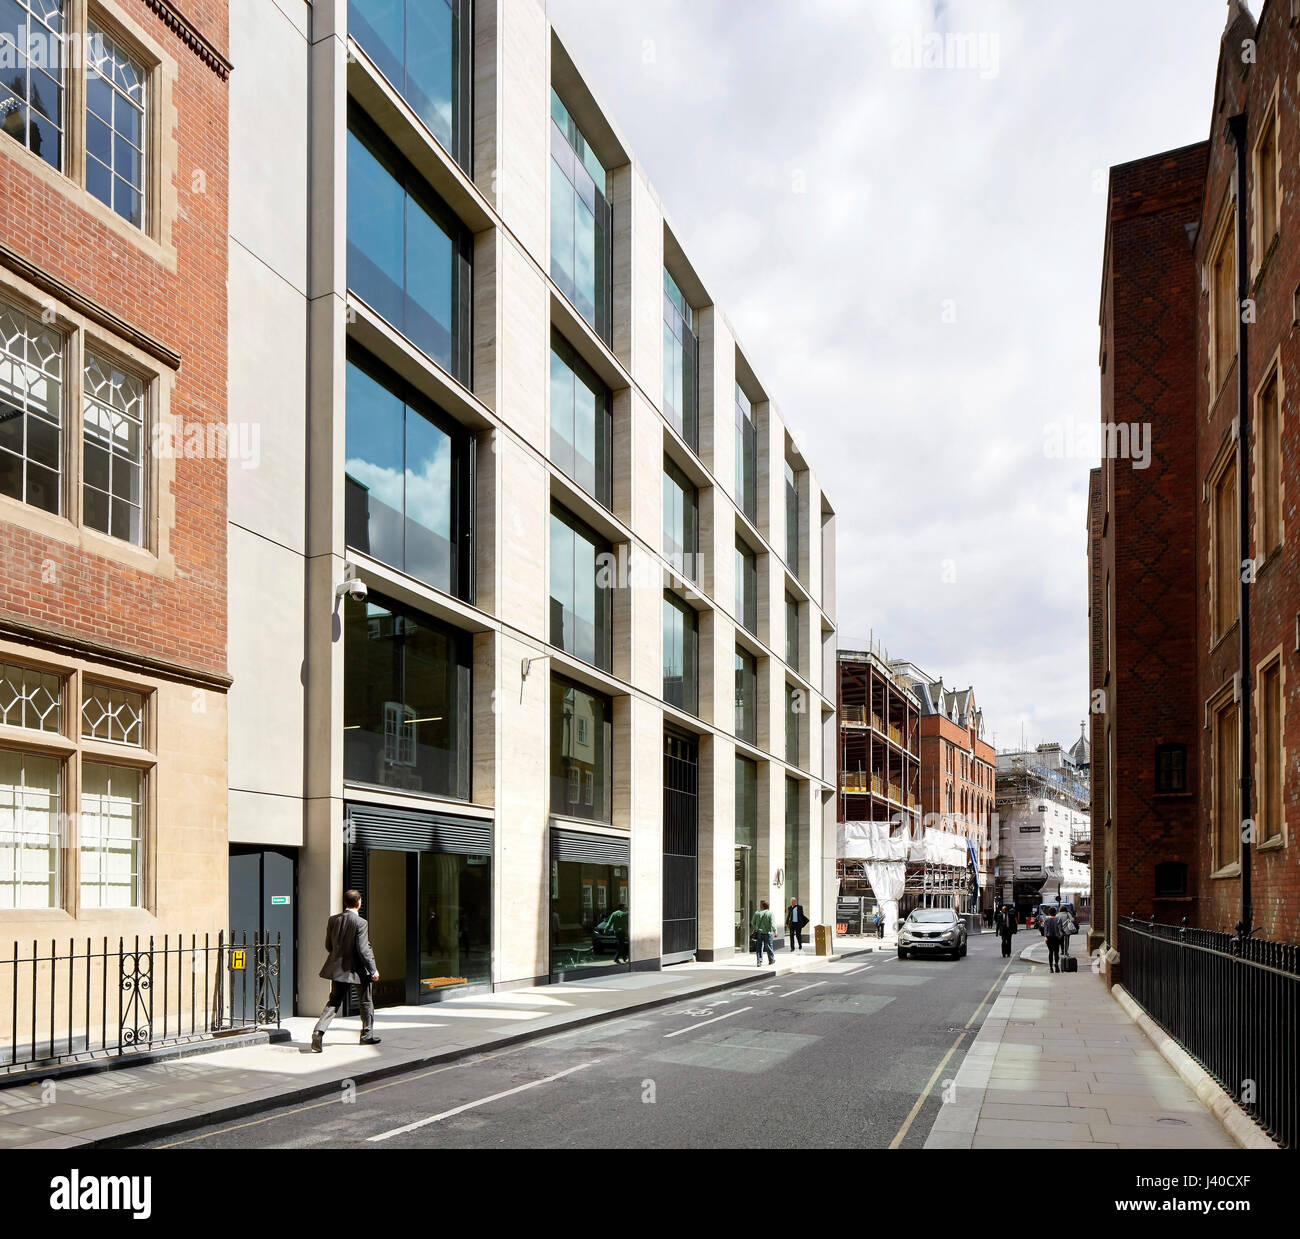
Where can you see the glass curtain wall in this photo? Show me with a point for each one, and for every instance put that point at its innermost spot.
(746, 587)
(681, 364)
(409, 479)
(423, 48)
(582, 232)
(681, 522)
(406, 700)
(746, 697)
(409, 257)
(581, 601)
(746, 457)
(793, 875)
(581, 422)
(791, 632)
(681, 654)
(582, 738)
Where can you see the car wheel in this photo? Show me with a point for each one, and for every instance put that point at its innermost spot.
(963, 948)
(902, 954)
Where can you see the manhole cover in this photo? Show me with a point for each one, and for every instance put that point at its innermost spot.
(1173, 1122)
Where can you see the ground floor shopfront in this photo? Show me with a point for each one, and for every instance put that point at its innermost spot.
(443, 922)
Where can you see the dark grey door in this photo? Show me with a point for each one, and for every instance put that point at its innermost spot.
(681, 839)
(263, 900)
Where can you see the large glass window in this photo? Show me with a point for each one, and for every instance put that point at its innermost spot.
(746, 587)
(455, 908)
(681, 654)
(409, 479)
(113, 434)
(31, 410)
(406, 700)
(408, 255)
(746, 457)
(30, 698)
(582, 730)
(582, 231)
(746, 697)
(110, 836)
(793, 874)
(794, 708)
(30, 799)
(792, 632)
(581, 422)
(681, 364)
(590, 915)
(791, 520)
(581, 595)
(681, 522)
(747, 835)
(423, 48)
(32, 75)
(115, 128)
(1225, 556)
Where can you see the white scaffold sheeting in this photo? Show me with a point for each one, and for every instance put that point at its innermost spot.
(871, 841)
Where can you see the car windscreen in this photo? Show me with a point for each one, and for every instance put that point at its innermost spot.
(932, 916)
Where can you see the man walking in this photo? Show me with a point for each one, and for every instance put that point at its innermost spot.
(795, 920)
(1052, 936)
(763, 930)
(1006, 927)
(350, 962)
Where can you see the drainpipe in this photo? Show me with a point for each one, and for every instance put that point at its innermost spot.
(1237, 135)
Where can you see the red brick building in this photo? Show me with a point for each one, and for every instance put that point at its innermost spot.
(1166, 564)
(958, 769)
(113, 258)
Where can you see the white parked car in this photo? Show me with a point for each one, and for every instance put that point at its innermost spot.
(932, 931)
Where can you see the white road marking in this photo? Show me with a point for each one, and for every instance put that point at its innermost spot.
(714, 1020)
(855, 972)
(800, 990)
(470, 1105)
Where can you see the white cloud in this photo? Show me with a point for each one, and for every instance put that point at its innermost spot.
(923, 186)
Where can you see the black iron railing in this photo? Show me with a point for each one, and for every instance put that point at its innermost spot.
(1233, 1003)
(103, 1000)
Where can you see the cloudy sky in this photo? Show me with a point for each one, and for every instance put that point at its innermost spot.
(911, 257)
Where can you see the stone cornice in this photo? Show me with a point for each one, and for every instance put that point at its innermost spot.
(192, 37)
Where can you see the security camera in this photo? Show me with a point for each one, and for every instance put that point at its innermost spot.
(352, 588)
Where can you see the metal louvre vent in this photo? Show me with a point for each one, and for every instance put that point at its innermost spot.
(569, 845)
(406, 831)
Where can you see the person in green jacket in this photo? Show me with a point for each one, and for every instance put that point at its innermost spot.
(763, 928)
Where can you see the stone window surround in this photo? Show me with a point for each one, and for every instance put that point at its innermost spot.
(1264, 232)
(72, 749)
(1274, 657)
(1272, 371)
(161, 201)
(81, 334)
(1226, 698)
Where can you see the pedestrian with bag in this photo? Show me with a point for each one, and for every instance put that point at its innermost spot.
(795, 920)
(1052, 936)
(763, 929)
(1068, 927)
(350, 962)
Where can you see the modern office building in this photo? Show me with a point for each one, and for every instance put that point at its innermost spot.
(113, 676)
(532, 595)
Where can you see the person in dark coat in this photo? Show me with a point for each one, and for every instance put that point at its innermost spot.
(795, 920)
(1006, 927)
(350, 962)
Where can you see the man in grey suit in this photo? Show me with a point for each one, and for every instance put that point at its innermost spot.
(350, 962)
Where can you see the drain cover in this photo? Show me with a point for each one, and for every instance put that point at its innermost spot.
(1173, 1122)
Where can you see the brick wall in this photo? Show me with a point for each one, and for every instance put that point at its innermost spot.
(1275, 596)
(1145, 544)
(55, 584)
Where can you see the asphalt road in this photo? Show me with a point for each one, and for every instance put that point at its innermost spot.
(853, 1055)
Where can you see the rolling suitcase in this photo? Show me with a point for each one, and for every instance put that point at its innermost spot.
(1069, 963)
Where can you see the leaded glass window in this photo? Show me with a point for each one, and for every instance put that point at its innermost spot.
(31, 410)
(32, 75)
(115, 715)
(32, 699)
(115, 128)
(113, 440)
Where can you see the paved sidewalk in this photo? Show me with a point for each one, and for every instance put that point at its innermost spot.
(116, 1104)
(1059, 1064)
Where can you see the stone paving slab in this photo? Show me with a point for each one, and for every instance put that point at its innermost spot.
(1059, 1064)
